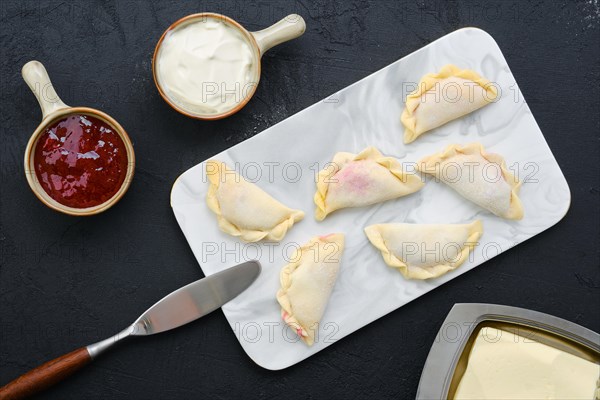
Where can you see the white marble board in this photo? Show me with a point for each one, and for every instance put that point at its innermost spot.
(368, 113)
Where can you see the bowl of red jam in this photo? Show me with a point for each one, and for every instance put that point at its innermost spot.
(79, 161)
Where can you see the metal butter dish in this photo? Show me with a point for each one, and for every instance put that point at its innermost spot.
(448, 357)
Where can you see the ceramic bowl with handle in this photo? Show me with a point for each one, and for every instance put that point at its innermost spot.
(54, 110)
(258, 42)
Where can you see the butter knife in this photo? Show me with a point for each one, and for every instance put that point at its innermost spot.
(176, 309)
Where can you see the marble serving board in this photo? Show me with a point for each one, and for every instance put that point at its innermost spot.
(284, 159)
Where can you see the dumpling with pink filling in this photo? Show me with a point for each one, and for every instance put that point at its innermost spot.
(357, 180)
(307, 282)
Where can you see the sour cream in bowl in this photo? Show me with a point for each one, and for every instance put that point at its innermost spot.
(207, 66)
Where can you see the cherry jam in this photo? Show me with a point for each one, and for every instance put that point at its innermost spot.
(80, 161)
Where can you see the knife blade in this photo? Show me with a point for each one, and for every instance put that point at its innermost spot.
(196, 299)
(178, 308)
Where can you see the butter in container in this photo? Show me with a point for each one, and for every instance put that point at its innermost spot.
(486, 351)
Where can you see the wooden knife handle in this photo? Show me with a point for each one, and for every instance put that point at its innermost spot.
(45, 375)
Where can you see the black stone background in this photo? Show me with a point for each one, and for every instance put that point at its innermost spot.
(66, 282)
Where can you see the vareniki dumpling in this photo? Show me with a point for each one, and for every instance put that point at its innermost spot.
(355, 180)
(307, 282)
(443, 97)
(424, 251)
(478, 176)
(245, 210)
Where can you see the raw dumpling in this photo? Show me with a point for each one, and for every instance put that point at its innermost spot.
(424, 251)
(355, 180)
(307, 282)
(442, 97)
(245, 210)
(478, 176)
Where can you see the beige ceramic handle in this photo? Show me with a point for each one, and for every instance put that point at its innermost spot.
(38, 81)
(288, 28)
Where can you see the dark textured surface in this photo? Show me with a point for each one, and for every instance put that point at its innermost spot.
(66, 282)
